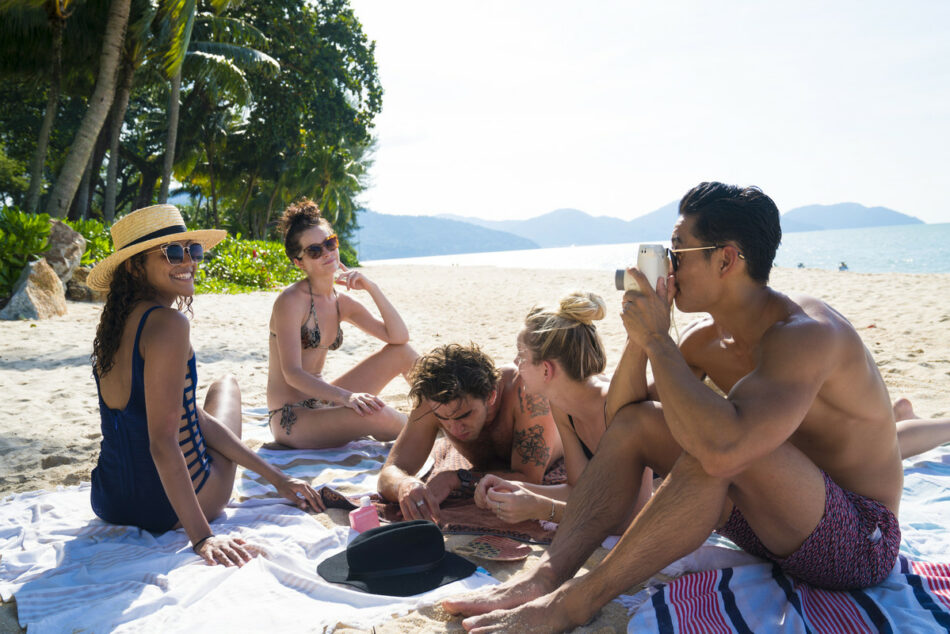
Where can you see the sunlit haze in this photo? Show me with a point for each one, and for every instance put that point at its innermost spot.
(513, 109)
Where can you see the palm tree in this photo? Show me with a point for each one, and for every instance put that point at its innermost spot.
(226, 42)
(99, 105)
(178, 21)
(56, 13)
(132, 57)
(215, 65)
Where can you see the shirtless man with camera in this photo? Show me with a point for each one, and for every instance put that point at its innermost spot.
(484, 412)
(799, 462)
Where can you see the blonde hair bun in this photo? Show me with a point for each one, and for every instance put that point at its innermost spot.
(583, 307)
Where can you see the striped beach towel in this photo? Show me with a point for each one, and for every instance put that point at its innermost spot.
(758, 597)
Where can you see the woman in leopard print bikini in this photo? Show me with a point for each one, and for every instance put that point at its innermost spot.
(305, 409)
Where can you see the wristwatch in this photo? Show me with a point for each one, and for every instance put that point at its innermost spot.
(467, 479)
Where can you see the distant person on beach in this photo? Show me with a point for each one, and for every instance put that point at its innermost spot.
(485, 412)
(795, 457)
(306, 410)
(165, 462)
(561, 357)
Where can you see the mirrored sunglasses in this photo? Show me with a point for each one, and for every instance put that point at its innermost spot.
(675, 260)
(316, 249)
(175, 252)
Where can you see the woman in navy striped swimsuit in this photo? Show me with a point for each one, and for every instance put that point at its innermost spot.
(165, 462)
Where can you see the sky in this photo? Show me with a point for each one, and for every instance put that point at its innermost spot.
(511, 109)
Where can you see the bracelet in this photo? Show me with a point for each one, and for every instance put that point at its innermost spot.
(551, 517)
(198, 543)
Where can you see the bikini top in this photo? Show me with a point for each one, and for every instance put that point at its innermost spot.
(587, 451)
(310, 337)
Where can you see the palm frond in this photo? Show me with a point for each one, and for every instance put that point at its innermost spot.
(219, 73)
(178, 18)
(9, 5)
(227, 29)
(241, 55)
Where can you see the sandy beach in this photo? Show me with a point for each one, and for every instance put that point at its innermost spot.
(49, 422)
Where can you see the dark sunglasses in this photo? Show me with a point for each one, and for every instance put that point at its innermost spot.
(674, 258)
(175, 252)
(315, 250)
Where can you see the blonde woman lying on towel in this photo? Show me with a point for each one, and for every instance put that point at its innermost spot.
(561, 357)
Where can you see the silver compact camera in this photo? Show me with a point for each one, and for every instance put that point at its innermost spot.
(651, 261)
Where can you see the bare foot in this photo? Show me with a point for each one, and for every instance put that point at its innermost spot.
(903, 410)
(510, 594)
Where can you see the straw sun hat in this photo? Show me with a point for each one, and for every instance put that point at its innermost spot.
(140, 231)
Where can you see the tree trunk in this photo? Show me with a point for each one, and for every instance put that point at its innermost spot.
(52, 105)
(80, 210)
(172, 137)
(251, 225)
(118, 118)
(146, 189)
(209, 150)
(96, 113)
(270, 203)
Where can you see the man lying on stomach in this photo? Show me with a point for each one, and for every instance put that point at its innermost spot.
(487, 416)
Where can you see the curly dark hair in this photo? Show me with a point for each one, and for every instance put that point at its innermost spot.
(129, 286)
(451, 372)
(296, 219)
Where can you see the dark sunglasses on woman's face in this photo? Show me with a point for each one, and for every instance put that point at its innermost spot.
(175, 252)
(315, 250)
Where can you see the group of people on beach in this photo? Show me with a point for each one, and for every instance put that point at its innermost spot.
(767, 422)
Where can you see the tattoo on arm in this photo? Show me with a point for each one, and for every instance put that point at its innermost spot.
(534, 404)
(530, 445)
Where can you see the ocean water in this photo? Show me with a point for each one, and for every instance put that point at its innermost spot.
(923, 248)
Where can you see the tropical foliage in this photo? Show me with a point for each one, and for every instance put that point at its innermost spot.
(22, 237)
(254, 104)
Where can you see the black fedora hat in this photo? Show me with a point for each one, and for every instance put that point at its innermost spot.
(397, 560)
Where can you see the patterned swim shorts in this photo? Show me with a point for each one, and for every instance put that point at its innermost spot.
(854, 545)
(288, 416)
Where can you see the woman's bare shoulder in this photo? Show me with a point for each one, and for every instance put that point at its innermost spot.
(289, 298)
(167, 331)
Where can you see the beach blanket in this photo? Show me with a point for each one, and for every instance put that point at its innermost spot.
(70, 571)
(752, 596)
(458, 514)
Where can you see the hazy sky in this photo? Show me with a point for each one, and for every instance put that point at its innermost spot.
(510, 109)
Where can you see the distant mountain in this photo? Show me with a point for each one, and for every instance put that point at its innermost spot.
(842, 216)
(564, 227)
(383, 236)
(410, 236)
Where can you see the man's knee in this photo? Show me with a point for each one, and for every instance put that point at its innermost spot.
(640, 429)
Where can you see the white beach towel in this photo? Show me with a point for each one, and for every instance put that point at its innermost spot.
(70, 571)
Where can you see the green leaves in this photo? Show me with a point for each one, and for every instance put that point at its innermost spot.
(23, 237)
(240, 266)
(237, 266)
(98, 240)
